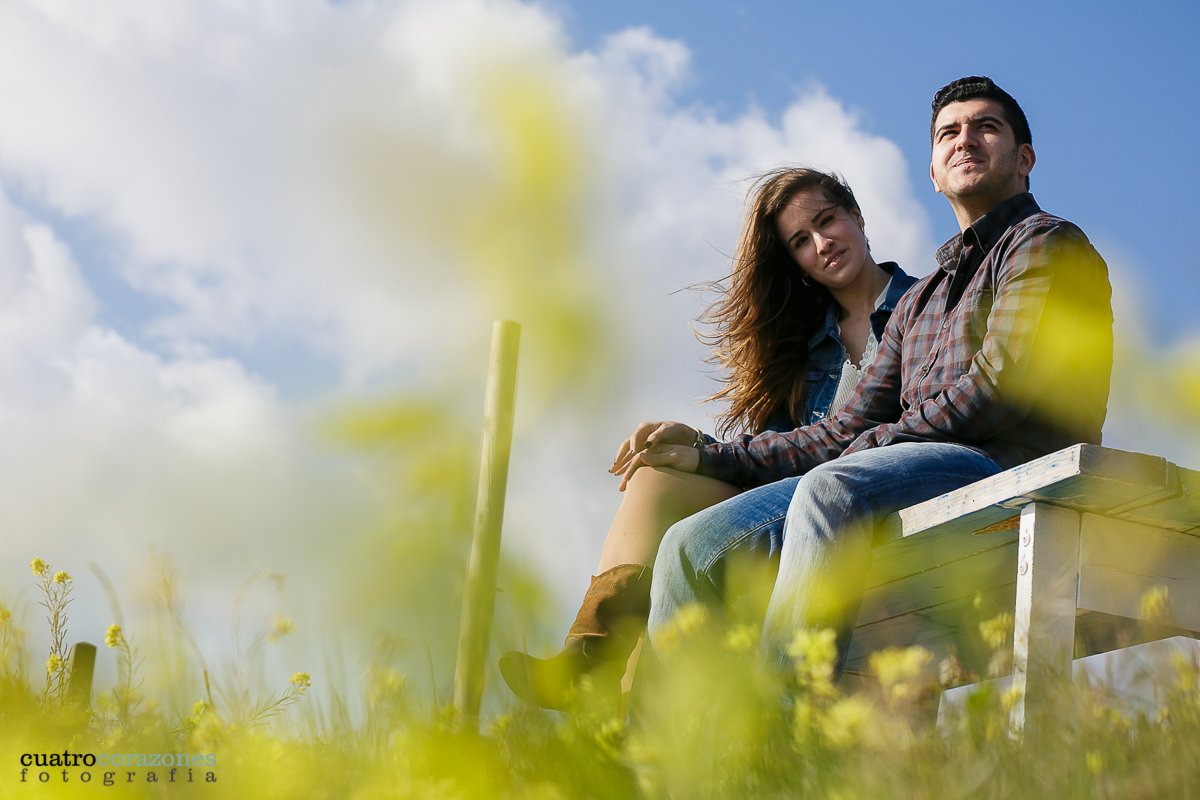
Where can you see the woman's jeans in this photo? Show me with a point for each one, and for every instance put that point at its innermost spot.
(834, 514)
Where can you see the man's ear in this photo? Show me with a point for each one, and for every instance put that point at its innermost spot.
(1026, 158)
(933, 180)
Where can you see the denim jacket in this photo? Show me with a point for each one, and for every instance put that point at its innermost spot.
(827, 354)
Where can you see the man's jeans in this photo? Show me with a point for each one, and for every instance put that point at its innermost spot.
(834, 513)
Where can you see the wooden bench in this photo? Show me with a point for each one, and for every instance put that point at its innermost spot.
(1069, 543)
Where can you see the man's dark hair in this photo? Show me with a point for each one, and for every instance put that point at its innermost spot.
(974, 87)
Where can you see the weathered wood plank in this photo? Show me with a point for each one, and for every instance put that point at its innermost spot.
(953, 627)
(982, 496)
(912, 555)
(1134, 679)
(1121, 561)
(1179, 510)
(949, 627)
(1083, 477)
(930, 628)
(983, 570)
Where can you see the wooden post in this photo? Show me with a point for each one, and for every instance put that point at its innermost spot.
(480, 596)
(80, 666)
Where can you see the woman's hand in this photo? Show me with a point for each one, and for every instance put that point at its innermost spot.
(656, 444)
(650, 434)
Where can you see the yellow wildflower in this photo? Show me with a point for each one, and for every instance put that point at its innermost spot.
(1012, 695)
(847, 721)
(114, 637)
(1186, 672)
(39, 567)
(1116, 722)
(804, 717)
(686, 623)
(301, 680)
(815, 652)
(997, 630)
(741, 638)
(5, 614)
(386, 683)
(53, 664)
(283, 626)
(897, 669)
(1154, 605)
(61, 576)
(610, 735)
(1095, 762)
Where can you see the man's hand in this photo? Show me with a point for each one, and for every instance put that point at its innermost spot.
(656, 444)
(648, 435)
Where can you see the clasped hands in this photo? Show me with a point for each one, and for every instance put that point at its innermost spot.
(656, 444)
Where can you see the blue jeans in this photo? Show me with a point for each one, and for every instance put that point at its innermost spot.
(834, 514)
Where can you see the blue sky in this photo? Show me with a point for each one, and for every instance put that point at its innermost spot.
(1109, 89)
(223, 225)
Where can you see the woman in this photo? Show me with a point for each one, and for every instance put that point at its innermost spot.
(802, 317)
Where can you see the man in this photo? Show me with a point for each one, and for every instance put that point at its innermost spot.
(1001, 355)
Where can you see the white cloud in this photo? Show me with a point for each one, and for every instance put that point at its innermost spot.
(312, 173)
(112, 450)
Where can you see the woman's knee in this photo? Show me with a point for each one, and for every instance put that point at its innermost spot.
(653, 481)
(674, 493)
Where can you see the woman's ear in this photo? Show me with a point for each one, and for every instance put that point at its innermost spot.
(862, 226)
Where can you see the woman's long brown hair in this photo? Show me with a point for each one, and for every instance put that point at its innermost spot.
(769, 310)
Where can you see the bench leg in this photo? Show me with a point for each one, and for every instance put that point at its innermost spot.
(1044, 614)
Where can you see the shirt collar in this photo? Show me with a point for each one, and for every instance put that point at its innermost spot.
(987, 230)
(886, 301)
(897, 285)
(827, 329)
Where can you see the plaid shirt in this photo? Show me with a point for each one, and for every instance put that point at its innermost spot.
(1006, 348)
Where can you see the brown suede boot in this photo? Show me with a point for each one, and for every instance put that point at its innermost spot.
(604, 633)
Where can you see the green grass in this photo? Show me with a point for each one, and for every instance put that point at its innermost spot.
(707, 719)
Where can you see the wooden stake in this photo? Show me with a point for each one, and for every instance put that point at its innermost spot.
(80, 666)
(479, 602)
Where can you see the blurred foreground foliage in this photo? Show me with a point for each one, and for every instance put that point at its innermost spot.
(407, 574)
(707, 718)
(506, 216)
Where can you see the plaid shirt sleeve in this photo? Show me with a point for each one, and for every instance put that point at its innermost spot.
(1035, 337)
(749, 461)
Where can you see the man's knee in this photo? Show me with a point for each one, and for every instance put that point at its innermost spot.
(828, 486)
(677, 543)
(674, 577)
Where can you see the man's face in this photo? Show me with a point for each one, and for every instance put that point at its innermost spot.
(977, 162)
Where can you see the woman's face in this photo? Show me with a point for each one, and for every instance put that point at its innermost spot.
(824, 239)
